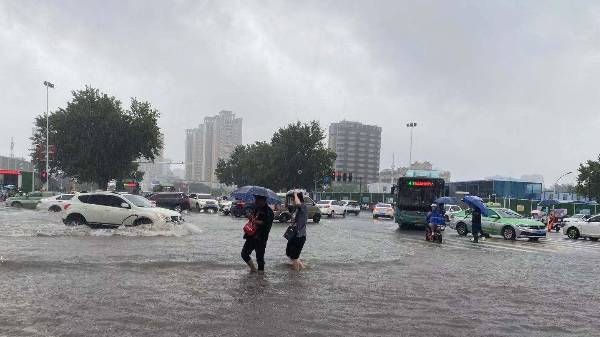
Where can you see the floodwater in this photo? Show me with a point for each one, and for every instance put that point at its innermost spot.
(364, 278)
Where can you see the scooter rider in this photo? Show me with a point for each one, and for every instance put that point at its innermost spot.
(434, 218)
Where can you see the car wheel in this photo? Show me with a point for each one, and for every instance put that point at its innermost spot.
(54, 209)
(178, 208)
(16, 204)
(573, 233)
(375, 217)
(198, 209)
(594, 239)
(344, 214)
(142, 221)
(534, 239)
(284, 217)
(357, 213)
(317, 218)
(331, 214)
(509, 233)
(461, 229)
(76, 220)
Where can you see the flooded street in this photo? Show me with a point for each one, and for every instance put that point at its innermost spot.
(364, 278)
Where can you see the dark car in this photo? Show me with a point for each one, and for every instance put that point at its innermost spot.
(240, 208)
(177, 201)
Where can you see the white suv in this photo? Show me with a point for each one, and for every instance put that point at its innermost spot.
(331, 208)
(107, 208)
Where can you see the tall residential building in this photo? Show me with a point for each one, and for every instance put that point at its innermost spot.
(213, 140)
(358, 148)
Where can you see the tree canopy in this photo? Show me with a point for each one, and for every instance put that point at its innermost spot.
(96, 139)
(588, 179)
(296, 157)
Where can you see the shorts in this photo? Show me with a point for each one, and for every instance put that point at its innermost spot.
(294, 247)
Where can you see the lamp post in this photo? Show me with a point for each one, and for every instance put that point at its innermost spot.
(48, 85)
(410, 125)
(556, 183)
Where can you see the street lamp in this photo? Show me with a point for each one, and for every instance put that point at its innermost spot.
(556, 183)
(410, 125)
(48, 85)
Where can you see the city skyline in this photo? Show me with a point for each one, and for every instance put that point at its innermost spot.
(214, 139)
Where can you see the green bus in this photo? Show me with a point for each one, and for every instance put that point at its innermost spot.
(414, 197)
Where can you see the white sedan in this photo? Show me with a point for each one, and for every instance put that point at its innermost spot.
(583, 229)
(331, 208)
(55, 203)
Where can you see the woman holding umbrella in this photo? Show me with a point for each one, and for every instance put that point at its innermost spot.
(478, 209)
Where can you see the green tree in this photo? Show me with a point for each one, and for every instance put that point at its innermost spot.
(301, 156)
(296, 157)
(588, 179)
(96, 139)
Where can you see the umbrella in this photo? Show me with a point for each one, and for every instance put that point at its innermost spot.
(476, 202)
(444, 200)
(247, 193)
(548, 203)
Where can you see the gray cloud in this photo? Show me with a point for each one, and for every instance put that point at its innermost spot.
(498, 87)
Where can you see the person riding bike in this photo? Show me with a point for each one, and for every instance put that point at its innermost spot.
(434, 218)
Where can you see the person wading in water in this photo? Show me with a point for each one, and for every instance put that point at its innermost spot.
(263, 219)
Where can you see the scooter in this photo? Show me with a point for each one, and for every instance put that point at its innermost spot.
(435, 235)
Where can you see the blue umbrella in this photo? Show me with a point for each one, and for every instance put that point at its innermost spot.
(247, 193)
(476, 202)
(444, 200)
(548, 203)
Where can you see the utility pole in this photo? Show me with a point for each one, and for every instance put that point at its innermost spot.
(48, 85)
(411, 125)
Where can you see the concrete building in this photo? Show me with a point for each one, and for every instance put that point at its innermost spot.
(417, 169)
(497, 188)
(213, 140)
(358, 148)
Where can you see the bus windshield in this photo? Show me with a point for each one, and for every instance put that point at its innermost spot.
(418, 194)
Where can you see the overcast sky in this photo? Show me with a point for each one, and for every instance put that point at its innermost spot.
(496, 87)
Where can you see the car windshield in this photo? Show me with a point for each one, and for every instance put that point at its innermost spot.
(137, 200)
(507, 213)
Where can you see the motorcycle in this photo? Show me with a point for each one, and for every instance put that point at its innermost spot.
(436, 235)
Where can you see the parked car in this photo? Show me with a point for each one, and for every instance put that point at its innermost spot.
(177, 201)
(589, 228)
(331, 208)
(314, 212)
(500, 222)
(55, 203)
(27, 200)
(112, 209)
(351, 206)
(383, 210)
(203, 203)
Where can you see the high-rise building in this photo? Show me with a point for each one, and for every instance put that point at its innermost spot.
(213, 140)
(358, 148)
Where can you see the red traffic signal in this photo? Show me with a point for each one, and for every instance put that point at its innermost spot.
(43, 175)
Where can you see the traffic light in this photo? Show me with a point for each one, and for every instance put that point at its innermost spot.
(350, 177)
(338, 176)
(333, 176)
(344, 177)
(43, 176)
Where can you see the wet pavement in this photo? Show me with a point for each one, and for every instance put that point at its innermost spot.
(364, 278)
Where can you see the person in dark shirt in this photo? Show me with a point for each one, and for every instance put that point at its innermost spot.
(295, 244)
(263, 219)
(476, 224)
